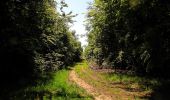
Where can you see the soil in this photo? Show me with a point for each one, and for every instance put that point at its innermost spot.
(98, 95)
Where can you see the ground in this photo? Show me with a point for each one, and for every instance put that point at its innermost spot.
(90, 89)
(80, 82)
(101, 87)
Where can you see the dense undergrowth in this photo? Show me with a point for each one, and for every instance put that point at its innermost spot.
(130, 35)
(35, 40)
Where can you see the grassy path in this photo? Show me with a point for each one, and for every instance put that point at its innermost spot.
(90, 89)
(103, 86)
(71, 85)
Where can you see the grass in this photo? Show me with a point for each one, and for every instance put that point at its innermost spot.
(59, 88)
(123, 86)
(145, 83)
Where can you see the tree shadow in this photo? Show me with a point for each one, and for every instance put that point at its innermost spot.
(10, 88)
(161, 91)
(44, 95)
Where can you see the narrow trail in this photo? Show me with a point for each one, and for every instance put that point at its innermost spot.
(90, 89)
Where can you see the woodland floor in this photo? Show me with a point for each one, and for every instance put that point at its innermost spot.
(80, 82)
(97, 85)
(98, 95)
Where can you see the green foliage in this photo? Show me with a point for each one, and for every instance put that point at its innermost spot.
(137, 28)
(35, 39)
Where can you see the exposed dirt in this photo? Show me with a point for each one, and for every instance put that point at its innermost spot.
(98, 95)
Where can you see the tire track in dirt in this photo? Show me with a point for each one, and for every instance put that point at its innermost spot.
(90, 89)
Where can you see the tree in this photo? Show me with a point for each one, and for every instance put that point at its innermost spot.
(133, 30)
(34, 39)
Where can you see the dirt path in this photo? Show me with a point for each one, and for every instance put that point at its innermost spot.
(90, 89)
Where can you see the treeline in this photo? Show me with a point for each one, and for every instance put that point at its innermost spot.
(35, 39)
(131, 35)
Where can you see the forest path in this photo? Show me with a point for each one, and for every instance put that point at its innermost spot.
(98, 84)
(98, 95)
